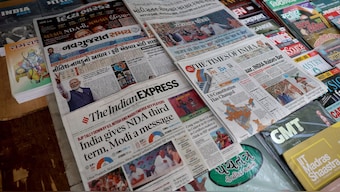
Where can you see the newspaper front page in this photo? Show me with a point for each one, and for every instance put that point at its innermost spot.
(157, 135)
(250, 85)
(194, 34)
(102, 69)
(85, 20)
(144, 10)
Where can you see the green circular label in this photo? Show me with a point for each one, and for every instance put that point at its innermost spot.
(239, 169)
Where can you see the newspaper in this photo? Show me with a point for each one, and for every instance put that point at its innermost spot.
(250, 85)
(88, 19)
(101, 63)
(144, 10)
(105, 69)
(194, 34)
(159, 129)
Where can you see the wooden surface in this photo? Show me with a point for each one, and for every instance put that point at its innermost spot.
(30, 158)
(9, 108)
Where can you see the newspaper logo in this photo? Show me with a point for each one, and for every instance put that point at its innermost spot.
(85, 120)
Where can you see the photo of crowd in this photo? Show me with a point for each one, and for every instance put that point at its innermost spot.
(179, 33)
(112, 181)
(153, 165)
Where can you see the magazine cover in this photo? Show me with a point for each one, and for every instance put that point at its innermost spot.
(326, 6)
(330, 52)
(331, 100)
(305, 21)
(316, 161)
(297, 127)
(16, 21)
(247, 11)
(252, 170)
(312, 63)
(265, 26)
(50, 7)
(27, 71)
(275, 5)
(286, 42)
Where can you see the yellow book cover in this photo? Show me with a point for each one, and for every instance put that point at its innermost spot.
(316, 161)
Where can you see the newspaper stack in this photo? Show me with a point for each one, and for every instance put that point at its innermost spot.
(133, 121)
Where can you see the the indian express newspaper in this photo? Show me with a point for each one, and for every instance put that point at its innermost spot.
(144, 10)
(85, 20)
(103, 69)
(187, 36)
(251, 84)
(156, 135)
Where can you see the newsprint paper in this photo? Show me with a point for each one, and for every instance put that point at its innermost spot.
(186, 36)
(103, 62)
(251, 84)
(144, 10)
(156, 135)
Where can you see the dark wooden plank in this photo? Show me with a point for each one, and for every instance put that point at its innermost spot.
(28, 145)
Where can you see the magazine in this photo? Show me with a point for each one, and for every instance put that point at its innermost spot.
(316, 161)
(27, 70)
(148, 10)
(331, 100)
(252, 170)
(156, 135)
(326, 6)
(296, 127)
(51, 7)
(286, 42)
(250, 85)
(330, 52)
(305, 21)
(185, 37)
(247, 11)
(16, 21)
(312, 63)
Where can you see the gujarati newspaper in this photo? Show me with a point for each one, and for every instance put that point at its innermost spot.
(156, 135)
(85, 20)
(100, 63)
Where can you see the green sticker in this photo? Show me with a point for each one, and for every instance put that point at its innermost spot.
(239, 169)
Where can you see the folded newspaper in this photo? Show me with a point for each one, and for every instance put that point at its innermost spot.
(186, 36)
(156, 135)
(96, 65)
(250, 85)
(149, 10)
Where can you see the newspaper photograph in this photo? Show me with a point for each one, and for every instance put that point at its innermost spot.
(251, 85)
(88, 19)
(148, 10)
(155, 136)
(85, 74)
(185, 37)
